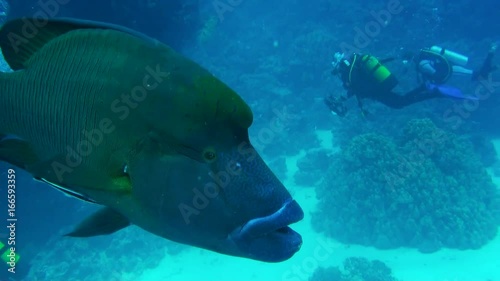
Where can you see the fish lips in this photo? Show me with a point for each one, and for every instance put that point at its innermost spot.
(270, 238)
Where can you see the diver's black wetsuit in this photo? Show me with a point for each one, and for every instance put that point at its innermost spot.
(398, 101)
(359, 83)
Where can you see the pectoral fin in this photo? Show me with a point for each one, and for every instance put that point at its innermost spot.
(102, 222)
(83, 178)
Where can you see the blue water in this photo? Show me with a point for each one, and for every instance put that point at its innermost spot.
(277, 56)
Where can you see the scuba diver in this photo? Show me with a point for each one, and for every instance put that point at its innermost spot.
(364, 77)
(436, 65)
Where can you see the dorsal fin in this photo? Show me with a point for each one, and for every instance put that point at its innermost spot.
(21, 38)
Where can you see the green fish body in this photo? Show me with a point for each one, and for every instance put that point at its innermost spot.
(113, 117)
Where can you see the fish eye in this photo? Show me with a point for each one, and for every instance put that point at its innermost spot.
(209, 155)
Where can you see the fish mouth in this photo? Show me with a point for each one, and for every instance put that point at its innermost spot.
(276, 222)
(270, 238)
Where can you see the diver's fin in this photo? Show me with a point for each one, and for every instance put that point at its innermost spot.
(102, 222)
(67, 191)
(16, 151)
(23, 37)
(449, 91)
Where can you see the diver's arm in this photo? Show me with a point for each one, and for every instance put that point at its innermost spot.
(426, 67)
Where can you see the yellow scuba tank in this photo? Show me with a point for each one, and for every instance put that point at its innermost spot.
(380, 74)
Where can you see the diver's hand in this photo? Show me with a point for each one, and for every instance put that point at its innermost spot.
(336, 105)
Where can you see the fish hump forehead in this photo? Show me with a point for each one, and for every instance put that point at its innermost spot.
(220, 104)
(197, 101)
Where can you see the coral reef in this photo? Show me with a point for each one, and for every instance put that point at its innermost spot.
(121, 257)
(308, 173)
(355, 269)
(485, 149)
(278, 166)
(426, 189)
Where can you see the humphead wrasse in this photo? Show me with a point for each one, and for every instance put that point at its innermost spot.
(115, 118)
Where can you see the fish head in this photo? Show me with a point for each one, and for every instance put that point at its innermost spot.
(205, 184)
